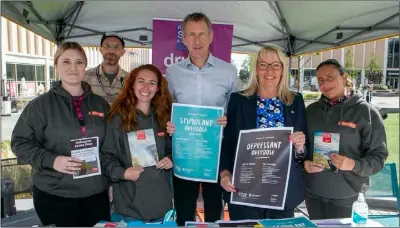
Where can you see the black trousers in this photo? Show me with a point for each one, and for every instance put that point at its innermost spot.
(323, 209)
(71, 212)
(241, 212)
(185, 200)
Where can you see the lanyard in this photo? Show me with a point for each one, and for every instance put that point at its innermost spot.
(77, 101)
(121, 79)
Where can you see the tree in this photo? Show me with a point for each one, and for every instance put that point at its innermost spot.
(374, 73)
(244, 75)
(252, 61)
(247, 67)
(299, 66)
(349, 64)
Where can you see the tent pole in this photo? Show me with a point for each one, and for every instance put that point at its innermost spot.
(259, 43)
(37, 14)
(116, 31)
(370, 27)
(76, 16)
(290, 69)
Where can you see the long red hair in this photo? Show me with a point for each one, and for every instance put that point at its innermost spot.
(126, 101)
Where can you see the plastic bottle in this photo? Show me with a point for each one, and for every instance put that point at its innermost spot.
(359, 215)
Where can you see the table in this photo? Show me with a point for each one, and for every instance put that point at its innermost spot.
(346, 222)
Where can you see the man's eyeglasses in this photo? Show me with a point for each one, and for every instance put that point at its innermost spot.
(274, 66)
(112, 46)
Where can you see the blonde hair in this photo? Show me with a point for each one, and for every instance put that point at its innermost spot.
(69, 45)
(285, 95)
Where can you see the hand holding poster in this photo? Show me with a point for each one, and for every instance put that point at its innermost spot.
(262, 167)
(196, 143)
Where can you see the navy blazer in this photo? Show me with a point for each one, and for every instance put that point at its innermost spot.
(242, 115)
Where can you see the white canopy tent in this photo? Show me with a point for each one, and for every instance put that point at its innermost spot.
(297, 26)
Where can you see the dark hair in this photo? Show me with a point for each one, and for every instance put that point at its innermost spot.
(332, 62)
(196, 17)
(105, 36)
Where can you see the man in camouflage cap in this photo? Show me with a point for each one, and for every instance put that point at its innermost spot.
(107, 79)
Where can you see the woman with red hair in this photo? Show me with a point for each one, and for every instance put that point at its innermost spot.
(137, 150)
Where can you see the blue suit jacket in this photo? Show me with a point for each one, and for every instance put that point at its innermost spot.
(242, 115)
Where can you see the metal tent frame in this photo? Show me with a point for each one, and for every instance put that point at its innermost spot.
(69, 26)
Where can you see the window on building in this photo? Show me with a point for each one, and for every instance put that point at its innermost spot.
(10, 71)
(52, 74)
(40, 73)
(393, 53)
(392, 79)
(29, 72)
(25, 71)
(396, 53)
(309, 74)
(294, 72)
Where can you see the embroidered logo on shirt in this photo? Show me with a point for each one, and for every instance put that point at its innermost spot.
(161, 134)
(347, 124)
(94, 113)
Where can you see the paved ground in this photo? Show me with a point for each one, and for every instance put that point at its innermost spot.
(381, 102)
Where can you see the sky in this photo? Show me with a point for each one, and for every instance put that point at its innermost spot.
(237, 60)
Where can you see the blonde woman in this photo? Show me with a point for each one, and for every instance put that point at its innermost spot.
(44, 134)
(267, 103)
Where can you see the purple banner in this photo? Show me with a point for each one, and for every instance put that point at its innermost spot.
(168, 47)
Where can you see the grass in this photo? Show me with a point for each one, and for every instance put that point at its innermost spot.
(26, 195)
(307, 95)
(392, 136)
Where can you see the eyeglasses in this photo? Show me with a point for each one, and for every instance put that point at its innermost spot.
(112, 46)
(274, 66)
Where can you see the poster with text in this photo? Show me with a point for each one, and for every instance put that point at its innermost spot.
(196, 143)
(262, 167)
(168, 47)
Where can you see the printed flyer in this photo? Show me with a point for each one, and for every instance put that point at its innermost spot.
(143, 148)
(325, 143)
(86, 150)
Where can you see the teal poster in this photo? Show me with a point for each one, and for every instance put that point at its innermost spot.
(196, 143)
